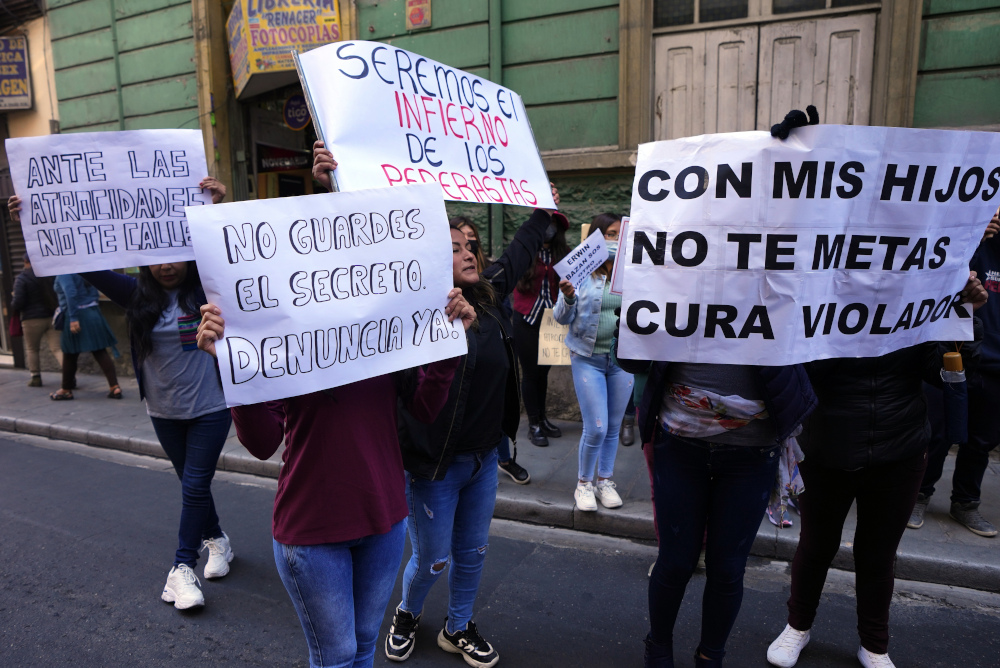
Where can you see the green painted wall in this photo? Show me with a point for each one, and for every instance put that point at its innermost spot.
(124, 64)
(958, 80)
(561, 56)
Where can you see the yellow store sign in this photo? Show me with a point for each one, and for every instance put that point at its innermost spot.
(264, 33)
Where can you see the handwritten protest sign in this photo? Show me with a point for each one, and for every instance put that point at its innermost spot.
(324, 290)
(551, 337)
(392, 117)
(839, 242)
(101, 200)
(583, 260)
(617, 273)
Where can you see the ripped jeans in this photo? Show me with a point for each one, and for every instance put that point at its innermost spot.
(450, 526)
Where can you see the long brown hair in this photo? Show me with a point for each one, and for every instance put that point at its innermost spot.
(458, 222)
(481, 294)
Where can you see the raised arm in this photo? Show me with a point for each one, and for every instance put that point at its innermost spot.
(117, 287)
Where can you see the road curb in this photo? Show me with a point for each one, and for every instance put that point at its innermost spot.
(544, 507)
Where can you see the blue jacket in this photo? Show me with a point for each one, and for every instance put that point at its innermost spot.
(582, 315)
(73, 292)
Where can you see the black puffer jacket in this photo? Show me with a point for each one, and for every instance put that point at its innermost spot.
(429, 449)
(33, 296)
(872, 409)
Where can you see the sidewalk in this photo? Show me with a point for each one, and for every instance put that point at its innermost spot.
(941, 552)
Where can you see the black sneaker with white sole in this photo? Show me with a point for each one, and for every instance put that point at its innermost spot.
(400, 641)
(516, 472)
(472, 646)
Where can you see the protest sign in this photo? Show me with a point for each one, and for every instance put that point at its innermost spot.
(323, 290)
(392, 117)
(839, 242)
(617, 273)
(101, 200)
(583, 260)
(551, 337)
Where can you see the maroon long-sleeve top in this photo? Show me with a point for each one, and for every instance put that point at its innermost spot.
(343, 475)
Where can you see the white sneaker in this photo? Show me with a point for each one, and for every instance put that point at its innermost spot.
(785, 649)
(873, 660)
(605, 491)
(183, 588)
(584, 496)
(219, 556)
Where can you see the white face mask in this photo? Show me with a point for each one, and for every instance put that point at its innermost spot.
(612, 247)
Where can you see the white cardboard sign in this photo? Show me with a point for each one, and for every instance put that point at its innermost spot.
(617, 273)
(102, 200)
(324, 290)
(583, 260)
(392, 117)
(839, 242)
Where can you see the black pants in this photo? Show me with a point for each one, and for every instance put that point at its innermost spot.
(103, 359)
(973, 455)
(885, 495)
(534, 376)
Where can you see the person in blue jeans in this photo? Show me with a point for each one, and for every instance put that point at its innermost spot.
(451, 464)
(183, 394)
(602, 387)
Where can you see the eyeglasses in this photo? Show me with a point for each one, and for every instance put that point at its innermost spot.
(611, 235)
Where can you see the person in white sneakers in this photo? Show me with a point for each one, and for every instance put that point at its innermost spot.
(602, 387)
(183, 393)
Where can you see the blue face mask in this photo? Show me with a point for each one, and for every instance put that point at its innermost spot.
(612, 247)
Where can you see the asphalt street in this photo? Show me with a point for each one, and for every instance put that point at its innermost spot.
(87, 537)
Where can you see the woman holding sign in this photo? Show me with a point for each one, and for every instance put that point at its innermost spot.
(537, 290)
(452, 464)
(602, 387)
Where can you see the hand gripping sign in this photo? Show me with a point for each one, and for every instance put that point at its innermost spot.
(839, 242)
(102, 200)
(324, 290)
(392, 117)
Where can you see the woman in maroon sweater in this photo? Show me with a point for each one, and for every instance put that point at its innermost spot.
(340, 511)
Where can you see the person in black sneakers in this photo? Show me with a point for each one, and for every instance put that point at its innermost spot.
(537, 289)
(984, 421)
(451, 464)
(506, 461)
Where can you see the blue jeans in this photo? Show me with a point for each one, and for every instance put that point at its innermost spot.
(193, 447)
(340, 592)
(450, 521)
(699, 486)
(603, 389)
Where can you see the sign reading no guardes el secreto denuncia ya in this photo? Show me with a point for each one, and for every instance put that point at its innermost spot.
(841, 241)
(393, 117)
(324, 290)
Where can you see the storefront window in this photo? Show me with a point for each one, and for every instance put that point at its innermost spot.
(673, 13)
(722, 10)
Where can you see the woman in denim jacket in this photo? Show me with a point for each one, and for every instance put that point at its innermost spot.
(602, 387)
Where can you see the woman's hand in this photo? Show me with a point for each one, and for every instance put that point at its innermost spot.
(974, 293)
(14, 206)
(555, 196)
(567, 288)
(211, 329)
(215, 187)
(992, 227)
(458, 307)
(323, 164)
(74, 326)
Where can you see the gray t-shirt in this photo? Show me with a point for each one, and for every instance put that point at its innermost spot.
(180, 381)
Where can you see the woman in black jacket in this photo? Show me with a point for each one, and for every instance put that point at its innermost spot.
(866, 443)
